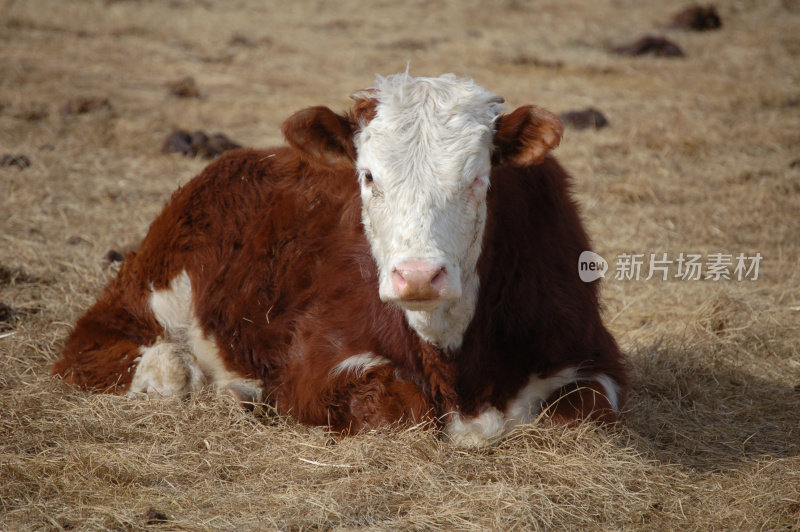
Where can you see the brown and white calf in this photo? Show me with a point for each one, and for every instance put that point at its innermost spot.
(415, 259)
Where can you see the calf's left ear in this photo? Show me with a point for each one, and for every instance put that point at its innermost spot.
(320, 133)
(526, 136)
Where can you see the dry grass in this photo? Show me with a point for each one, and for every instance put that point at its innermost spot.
(697, 159)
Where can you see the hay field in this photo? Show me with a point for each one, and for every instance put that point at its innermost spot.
(697, 159)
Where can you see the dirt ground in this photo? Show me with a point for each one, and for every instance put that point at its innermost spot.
(701, 157)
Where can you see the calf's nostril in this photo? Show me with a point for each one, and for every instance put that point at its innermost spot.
(398, 278)
(439, 279)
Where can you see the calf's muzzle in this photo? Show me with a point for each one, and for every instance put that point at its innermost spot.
(422, 281)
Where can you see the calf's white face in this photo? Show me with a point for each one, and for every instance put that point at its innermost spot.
(423, 164)
(423, 150)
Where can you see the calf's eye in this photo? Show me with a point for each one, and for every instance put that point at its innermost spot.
(368, 177)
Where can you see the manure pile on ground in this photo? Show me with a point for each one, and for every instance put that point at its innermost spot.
(698, 161)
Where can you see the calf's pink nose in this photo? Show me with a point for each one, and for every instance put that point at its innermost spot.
(415, 281)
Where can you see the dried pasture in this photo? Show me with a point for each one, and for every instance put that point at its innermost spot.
(701, 156)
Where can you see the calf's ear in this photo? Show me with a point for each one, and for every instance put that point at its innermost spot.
(526, 136)
(321, 133)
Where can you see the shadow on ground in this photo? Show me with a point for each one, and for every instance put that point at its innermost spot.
(691, 406)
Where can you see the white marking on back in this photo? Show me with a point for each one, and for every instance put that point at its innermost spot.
(174, 310)
(357, 365)
(172, 307)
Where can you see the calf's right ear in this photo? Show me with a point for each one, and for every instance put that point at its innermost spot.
(526, 136)
(321, 133)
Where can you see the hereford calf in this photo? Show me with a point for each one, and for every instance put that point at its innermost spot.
(414, 259)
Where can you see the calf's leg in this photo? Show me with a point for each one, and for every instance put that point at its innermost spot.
(103, 350)
(357, 393)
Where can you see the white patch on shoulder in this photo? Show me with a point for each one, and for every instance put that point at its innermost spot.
(166, 370)
(174, 310)
(358, 364)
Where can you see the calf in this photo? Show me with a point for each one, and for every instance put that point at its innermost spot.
(414, 259)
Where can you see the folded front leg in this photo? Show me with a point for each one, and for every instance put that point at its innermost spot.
(359, 392)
